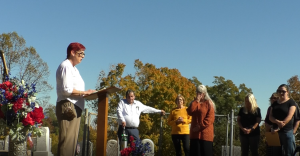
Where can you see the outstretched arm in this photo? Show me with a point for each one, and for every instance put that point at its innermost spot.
(147, 109)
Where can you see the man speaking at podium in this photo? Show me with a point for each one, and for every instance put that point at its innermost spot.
(128, 112)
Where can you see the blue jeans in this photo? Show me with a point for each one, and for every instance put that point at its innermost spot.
(287, 141)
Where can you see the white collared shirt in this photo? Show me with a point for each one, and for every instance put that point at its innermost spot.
(130, 113)
(67, 79)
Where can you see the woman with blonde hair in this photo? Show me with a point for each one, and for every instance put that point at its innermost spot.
(202, 110)
(180, 120)
(248, 120)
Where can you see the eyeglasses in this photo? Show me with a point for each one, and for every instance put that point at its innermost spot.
(81, 53)
(281, 91)
(180, 100)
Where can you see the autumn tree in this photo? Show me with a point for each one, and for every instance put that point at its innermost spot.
(294, 87)
(24, 62)
(155, 87)
(158, 87)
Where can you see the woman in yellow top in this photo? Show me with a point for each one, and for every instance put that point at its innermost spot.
(180, 120)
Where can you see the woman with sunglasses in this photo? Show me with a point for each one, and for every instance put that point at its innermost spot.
(248, 121)
(70, 102)
(271, 150)
(282, 116)
(180, 120)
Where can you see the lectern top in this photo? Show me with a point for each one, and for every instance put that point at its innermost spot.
(108, 90)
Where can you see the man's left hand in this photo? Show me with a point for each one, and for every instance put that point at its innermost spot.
(163, 112)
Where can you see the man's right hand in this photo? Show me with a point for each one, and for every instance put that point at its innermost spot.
(280, 124)
(123, 123)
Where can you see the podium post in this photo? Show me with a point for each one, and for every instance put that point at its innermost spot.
(102, 123)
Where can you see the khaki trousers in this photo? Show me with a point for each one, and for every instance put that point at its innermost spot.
(68, 128)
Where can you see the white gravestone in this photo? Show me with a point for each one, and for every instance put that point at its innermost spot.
(151, 145)
(112, 148)
(43, 147)
(4, 144)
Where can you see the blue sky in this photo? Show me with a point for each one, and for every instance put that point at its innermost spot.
(252, 42)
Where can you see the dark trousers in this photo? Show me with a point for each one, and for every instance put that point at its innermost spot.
(185, 138)
(128, 132)
(68, 128)
(249, 142)
(201, 147)
(274, 151)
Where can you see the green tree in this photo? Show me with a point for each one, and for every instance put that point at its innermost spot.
(24, 62)
(227, 96)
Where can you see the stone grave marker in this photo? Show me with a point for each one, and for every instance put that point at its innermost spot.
(112, 148)
(151, 145)
(43, 147)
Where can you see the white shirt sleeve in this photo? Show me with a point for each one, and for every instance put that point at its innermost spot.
(67, 81)
(147, 109)
(120, 111)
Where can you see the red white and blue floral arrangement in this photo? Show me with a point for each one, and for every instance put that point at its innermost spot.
(136, 148)
(19, 110)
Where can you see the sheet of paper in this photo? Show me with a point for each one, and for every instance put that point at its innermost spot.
(272, 139)
(108, 90)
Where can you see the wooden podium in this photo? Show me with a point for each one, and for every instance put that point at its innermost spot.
(102, 123)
